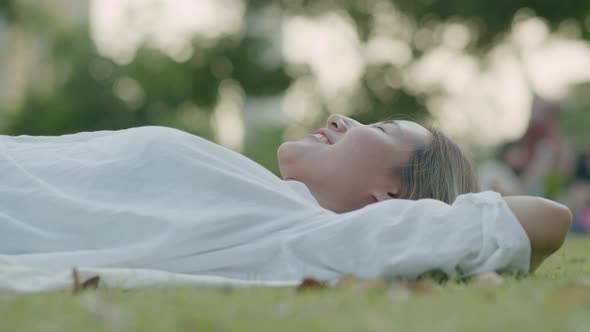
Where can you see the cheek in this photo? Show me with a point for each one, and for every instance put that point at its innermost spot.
(365, 151)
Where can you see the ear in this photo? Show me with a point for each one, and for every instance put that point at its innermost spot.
(382, 195)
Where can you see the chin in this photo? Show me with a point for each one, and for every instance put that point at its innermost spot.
(283, 153)
(288, 153)
(290, 157)
(293, 158)
(284, 159)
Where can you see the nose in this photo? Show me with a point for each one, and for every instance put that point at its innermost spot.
(339, 122)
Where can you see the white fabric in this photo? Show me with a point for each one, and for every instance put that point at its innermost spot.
(158, 198)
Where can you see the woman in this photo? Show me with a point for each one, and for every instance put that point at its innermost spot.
(349, 165)
(159, 198)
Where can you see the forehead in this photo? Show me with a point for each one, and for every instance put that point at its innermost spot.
(411, 130)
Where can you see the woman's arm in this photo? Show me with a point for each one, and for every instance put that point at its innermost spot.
(403, 238)
(545, 222)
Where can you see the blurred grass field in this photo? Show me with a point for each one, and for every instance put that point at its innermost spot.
(556, 298)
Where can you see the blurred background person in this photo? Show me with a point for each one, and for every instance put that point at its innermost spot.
(547, 155)
(577, 195)
(502, 174)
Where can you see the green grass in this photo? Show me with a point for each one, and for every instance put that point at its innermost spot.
(554, 299)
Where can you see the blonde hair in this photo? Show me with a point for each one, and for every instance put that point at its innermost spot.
(438, 170)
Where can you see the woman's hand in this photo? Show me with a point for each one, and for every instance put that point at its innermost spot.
(545, 222)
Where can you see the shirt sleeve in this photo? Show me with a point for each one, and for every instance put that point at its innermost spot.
(477, 233)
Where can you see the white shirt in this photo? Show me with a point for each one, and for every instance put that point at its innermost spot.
(159, 198)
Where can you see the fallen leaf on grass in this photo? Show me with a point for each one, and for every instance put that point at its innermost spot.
(421, 286)
(576, 293)
(91, 283)
(403, 290)
(572, 295)
(310, 283)
(487, 280)
(362, 285)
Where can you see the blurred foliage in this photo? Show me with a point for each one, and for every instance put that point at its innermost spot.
(495, 17)
(87, 87)
(577, 118)
(7, 9)
(490, 19)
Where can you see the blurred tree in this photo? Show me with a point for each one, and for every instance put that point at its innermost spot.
(7, 10)
(494, 18)
(576, 120)
(94, 93)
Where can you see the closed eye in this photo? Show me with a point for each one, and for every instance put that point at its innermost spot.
(380, 128)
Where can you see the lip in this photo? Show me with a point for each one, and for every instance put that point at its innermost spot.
(324, 133)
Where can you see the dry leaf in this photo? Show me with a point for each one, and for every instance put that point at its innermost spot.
(91, 283)
(572, 295)
(403, 290)
(487, 280)
(310, 283)
(420, 286)
(576, 293)
(362, 285)
(76, 277)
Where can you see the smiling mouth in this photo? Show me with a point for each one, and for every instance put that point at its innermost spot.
(321, 138)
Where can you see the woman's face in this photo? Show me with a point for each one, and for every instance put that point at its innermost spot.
(348, 165)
